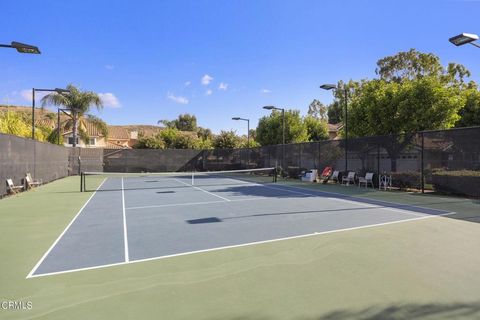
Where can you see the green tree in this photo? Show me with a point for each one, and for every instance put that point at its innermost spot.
(470, 112)
(204, 133)
(184, 122)
(317, 110)
(402, 108)
(78, 103)
(335, 113)
(317, 129)
(154, 142)
(269, 129)
(226, 140)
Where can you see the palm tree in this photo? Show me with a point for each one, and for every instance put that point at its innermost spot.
(78, 103)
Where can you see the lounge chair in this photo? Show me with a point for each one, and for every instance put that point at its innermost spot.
(30, 183)
(11, 188)
(367, 179)
(349, 178)
(326, 174)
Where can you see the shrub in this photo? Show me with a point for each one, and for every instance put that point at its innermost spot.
(462, 182)
(407, 180)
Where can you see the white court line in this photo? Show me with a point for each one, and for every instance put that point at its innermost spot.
(386, 202)
(239, 245)
(30, 275)
(359, 203)
(193, 203)
(198, 188)
(375, 206)
(125, 235)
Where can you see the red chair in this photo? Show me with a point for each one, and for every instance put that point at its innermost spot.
(326, 174)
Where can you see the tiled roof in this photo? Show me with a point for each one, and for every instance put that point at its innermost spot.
(335, 127)
(118, 133)
(111, 145)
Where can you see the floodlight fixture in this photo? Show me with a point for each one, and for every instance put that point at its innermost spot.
(464, 38)
(22, 47)
(328, 86)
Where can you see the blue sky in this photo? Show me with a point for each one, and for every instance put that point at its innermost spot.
(148, 58)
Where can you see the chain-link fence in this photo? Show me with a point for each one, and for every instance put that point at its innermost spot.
(444, 160)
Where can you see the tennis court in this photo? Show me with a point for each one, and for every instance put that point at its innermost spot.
(132, 218)
(274, 251)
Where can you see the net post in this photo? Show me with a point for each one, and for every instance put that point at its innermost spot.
(193, 178)
(81, 181)
(274, 174)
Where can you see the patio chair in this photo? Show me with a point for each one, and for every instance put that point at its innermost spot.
(30, 183)
(11, 188)
(367, 179)
(349, 178)
(335, 176)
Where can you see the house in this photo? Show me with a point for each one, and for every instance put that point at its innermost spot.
(118, 138)
(333, 131)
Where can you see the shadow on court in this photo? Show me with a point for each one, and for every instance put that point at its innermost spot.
(461, 311)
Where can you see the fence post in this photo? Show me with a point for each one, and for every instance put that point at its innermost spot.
(378, 164)
(422, 166)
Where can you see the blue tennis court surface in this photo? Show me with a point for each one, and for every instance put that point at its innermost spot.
(143, 218)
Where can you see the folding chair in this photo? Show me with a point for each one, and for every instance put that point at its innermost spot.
(30, 183)
(11, 188)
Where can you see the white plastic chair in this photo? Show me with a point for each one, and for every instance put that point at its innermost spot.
(367, 179)
(349, 178)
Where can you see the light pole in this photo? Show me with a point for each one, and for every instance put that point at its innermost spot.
(21, 47)
(283, 131)
(465, 38)
(248, 129)
(57, 90)
(248, 137)
(330, 87)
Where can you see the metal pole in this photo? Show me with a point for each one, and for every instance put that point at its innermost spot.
(423, 174)
(58, 126)
(346, 129)
(248, 143)
(248, 133)
(33, 113)
(283, 139)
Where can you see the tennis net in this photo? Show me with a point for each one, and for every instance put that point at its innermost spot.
(104, 181)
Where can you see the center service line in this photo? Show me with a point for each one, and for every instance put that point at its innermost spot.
(125, 236)
(210, 193)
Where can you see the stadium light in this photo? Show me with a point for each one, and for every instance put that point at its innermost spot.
(464, 38)
(329, 86)
(22, 47)
(248, 128)
(57, 90)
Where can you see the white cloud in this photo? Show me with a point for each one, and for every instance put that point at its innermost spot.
(223, 86)
(109, 67)
(26, 94)
(188, 83)
(109, 100)
(206, 79)
(208, 92)
(179, 99)
(265, 91)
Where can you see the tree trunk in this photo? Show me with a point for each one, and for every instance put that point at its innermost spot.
(74, 115)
